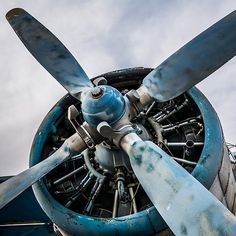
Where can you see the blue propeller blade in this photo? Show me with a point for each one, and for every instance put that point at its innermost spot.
(187, 207)
(17, 184)
(195, 61)
(49, 51)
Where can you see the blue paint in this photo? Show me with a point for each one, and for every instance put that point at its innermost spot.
(142, 223)
(185, 204)
(49, 51)
(209, 163)
(109, 107)
(194, 61)
(20, 209)
(44, 130)
(149, 220)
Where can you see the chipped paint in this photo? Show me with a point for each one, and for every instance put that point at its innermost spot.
(49, 51)
(17, 184)
(177, 195)
(149, 220)
(194, 61)
(140, 223)
(211, 156)
(109, 107)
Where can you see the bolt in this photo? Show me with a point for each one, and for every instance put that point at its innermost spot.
(97, 92)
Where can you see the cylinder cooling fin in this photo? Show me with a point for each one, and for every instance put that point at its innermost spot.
(96, 192)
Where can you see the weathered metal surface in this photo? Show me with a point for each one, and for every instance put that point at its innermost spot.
(176, 187)
(142, 223)
(209, 163)
(149, 221)
(195, 61)
(17, 184)
(49, 51)
(229, 190)
(109, 106)
(21, 208)
(48, 127)
(187, 207)
(16, 218)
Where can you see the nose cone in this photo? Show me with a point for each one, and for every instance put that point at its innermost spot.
(103, 103)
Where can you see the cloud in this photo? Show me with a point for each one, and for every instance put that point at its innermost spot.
(103, 36)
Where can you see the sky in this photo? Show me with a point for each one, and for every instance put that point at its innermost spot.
(103, 35)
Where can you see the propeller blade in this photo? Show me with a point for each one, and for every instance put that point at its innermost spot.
(17, 184)
(49, 51)
(195, 61)
(187, 206)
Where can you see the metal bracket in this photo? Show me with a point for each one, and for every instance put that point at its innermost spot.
(134, 98)
(72, 114)
(100, 81)
(116, 135)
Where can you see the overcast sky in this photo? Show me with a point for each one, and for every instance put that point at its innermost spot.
(103, 36)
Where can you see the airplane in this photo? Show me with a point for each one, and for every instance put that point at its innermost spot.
(138, 151)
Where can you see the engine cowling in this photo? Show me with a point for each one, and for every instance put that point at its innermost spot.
(96, 193)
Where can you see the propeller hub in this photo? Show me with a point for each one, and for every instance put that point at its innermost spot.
(103, 103)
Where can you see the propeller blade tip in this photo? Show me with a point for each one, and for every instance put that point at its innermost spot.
(14, 13)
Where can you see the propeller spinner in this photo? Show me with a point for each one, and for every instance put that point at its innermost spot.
(165, 182)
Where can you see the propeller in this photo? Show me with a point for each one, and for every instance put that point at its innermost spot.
(194, 61)
(17, 184)
(167, 184)
(186, 205)
(49, 51)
